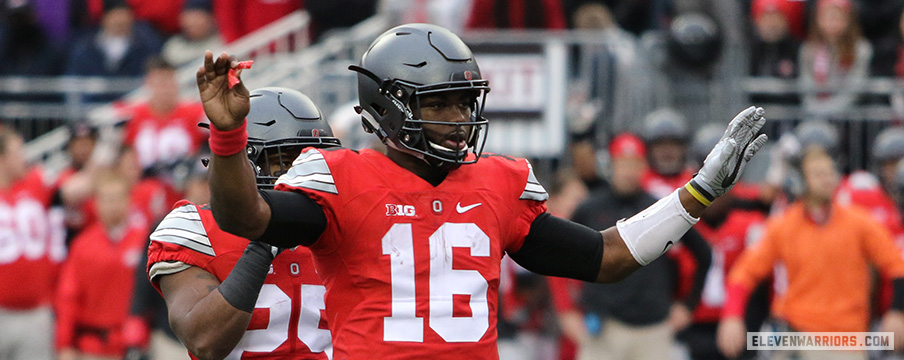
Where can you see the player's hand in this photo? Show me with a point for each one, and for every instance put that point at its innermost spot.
(725, 163)
(893, 321)
(731, 337)
(226, 108)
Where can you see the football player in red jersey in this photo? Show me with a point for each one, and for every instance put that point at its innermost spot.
(268, 303)
(409, 243)
(32, 246)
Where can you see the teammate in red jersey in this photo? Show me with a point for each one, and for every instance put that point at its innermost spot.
(409, 243)
(189, 257)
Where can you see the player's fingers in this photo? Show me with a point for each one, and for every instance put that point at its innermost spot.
(222, 64)
(759, 120)
(209, 62)
(201, 78)
(755, 146)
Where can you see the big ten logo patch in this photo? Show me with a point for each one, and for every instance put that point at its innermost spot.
(399, 210)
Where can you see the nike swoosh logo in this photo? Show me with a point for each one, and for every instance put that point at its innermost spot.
(667, 245)
(463, 209)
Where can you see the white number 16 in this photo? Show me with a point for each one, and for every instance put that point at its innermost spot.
(404, 325)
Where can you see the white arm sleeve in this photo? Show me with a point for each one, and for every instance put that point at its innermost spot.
(651, 232)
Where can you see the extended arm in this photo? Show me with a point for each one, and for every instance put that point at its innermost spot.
(562, 248)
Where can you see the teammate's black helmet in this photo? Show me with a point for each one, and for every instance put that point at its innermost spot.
(889, 145)
(410, 61)
(282, 120)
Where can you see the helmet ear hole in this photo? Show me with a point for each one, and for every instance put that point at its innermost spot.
(379, 109)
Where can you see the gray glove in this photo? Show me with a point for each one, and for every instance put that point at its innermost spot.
(724, 164)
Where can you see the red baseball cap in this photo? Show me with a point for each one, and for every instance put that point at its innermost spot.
(627, 144)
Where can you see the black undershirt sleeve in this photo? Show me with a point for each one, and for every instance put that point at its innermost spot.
(295, 219)
(558, 247)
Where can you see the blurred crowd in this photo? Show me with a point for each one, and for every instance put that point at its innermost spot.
(807, 243)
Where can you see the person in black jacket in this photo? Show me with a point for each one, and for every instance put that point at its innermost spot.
(623, 319)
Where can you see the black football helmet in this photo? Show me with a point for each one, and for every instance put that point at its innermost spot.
(281, 122)
(410, 61)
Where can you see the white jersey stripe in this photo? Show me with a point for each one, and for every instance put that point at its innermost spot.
(311, 171)
(297, 179)
(310, 155)
(191, 240)
(533, 190)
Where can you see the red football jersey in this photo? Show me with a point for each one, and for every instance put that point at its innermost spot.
(728, 241)
(286, 322)
(32, 243)
(95, 289)
(412, 269)
(165, 137)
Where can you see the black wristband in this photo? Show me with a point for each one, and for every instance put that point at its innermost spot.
(241, 287)
(897, 299)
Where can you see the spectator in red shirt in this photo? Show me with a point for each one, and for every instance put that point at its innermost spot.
(97, 279)
(32, 245)
(164, 129)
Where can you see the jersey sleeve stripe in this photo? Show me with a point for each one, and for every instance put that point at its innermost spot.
(184, 221)
(533, 190)
(527, 195)
(182, 216)
(188, 209)
(166, 268)
(293, 179)
(196, 242)
(308, 156)
(310, 170)
(314, 185)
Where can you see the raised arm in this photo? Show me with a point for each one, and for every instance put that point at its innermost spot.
(234, 200)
